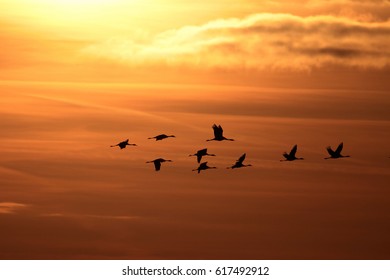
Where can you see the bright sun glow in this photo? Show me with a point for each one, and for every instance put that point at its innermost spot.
(78, 2)
(66, 15)
(81, 4)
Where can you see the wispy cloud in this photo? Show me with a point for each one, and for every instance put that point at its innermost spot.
(260, 41)
(10, 207)
(71, 215)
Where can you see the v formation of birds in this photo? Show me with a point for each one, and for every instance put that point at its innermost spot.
(218, 136)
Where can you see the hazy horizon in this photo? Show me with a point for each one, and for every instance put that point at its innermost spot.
(67, 194)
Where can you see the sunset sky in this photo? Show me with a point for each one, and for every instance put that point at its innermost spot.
(79, 76)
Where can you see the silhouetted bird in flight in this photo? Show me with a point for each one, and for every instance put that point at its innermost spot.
(203, 166)
(218, 134)
(123, 144)
(199, 154)
(161, 137)
(239, 163)
(157, 163)
(337, 153)
(291, 156)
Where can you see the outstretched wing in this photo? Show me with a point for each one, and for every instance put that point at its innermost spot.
(157, 165)
(286, 155)
(220, 131)
(339, 148)
(293, 151)
(202, 152)
(199, 157)
(241, 159)
(216, 131)
(203, 165)
(330, 151)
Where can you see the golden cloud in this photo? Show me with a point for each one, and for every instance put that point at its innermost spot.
(259, 41)
(10, 207)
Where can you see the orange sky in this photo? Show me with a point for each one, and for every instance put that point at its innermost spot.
(211, 42)
(79, 76)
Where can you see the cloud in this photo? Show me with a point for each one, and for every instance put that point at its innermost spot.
(109, 217)
(350, 2)
(259, 41)
(368, 10)
(10, 207)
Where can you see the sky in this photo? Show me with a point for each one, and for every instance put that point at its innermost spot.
(79, 76)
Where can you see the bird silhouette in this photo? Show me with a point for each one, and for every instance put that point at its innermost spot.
(123, 144)
(337, 153)
(199, 154)
(161, 137)
(291, 156)
(203, 166)
(239, 163)
(218, 134)
(157, 163)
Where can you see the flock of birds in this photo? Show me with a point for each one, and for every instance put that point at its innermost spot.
(218, 136)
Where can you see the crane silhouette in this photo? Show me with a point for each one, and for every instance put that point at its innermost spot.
(161, 137)
(218, 134)
(199, 154)
(239, 163)
(291, 156)
(123, 144)
(157, 163)
(337, 153)
(203, 166)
